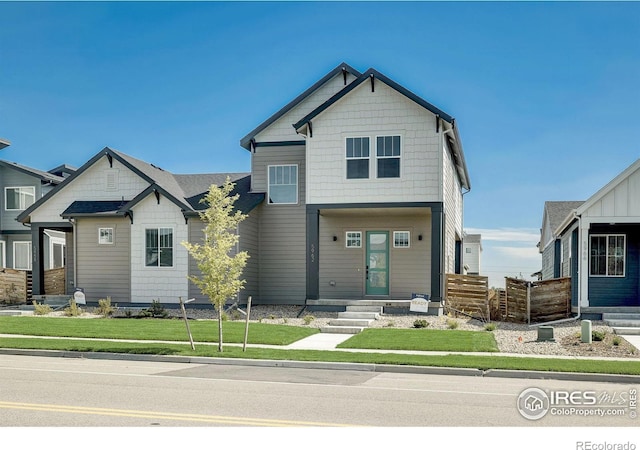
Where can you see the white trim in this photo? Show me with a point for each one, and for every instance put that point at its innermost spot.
(356, 158)
(3, 253)
(624, 256)
(113, 238)
(408, 239)
(29, 257)
(269, 184)
(346, 239)
(56, 241)
(32, 188)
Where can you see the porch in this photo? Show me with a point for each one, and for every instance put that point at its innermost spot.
(389, 306)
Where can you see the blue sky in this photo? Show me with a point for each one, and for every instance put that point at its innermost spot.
(545, 94)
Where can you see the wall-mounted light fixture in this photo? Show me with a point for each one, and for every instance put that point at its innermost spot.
(335, 238)
(419, 237)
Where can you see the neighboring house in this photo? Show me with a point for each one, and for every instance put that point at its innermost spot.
(124, 220)
(472, 253)
(602, 238)
(364, 192)
(555, 256)
(361, 199)
(21, 186)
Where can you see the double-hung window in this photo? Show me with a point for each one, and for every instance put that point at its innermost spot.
(283, 185)
(22, 255)
(357, 157)
(159, 247)
(19, 198)
(607, 255)
(388, 156)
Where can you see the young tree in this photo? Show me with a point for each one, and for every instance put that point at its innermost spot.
(220, 270)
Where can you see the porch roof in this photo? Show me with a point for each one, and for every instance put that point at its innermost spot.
(94, 207)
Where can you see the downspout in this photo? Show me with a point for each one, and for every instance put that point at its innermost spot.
(75, 252)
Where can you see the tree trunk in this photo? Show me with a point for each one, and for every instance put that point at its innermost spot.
(220, 329)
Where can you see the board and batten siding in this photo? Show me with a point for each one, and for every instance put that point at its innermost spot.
(91, 185)
(70, 263)
(103, 270)
(343, 270)
(248, 232)
(621, 201)
(165, 284)
(282, 231)
(384, 112)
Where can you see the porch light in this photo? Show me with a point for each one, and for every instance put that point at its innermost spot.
(335, 238)
(419, 237)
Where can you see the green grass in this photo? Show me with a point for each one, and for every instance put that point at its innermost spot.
(423, 340)
(153, 329)
(458, 361)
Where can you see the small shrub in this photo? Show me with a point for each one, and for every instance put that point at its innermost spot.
(128, 313)
(235, 315)
(156, 310)
(391, 324)
(598, 335)
(420, 323)
(224, 316)
(616, 340)
(104, 307)
(40, 309)
(73, 310)
(490, 327)
(308, 319)
(452, 324)
(272, 317)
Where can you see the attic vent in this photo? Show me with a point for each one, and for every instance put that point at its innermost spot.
(112, 179)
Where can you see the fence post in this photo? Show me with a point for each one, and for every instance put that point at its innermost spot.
(528, 302)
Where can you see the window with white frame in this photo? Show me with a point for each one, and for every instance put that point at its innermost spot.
(159, 247)
(283, 185)
(388, 156)
(105, 236)
(22, 255)
(607, 255)
(19, 198)
(353, 239)
(357, 154)
(401, 239)
(3, 254)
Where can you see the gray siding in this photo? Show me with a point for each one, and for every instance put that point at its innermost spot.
(248, 242)
(14, 178)
(282, 235)
(342, 270)
(104, 270)
(548, 262)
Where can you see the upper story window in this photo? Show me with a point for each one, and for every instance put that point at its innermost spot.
(19, 198)
(159, 247)
(357, 157)
(607, 255)
(283, 185)
(388, 156)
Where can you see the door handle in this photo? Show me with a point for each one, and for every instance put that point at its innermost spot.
(367, 272)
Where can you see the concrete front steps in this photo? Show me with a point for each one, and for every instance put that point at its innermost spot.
(623, 323)
(353, 320)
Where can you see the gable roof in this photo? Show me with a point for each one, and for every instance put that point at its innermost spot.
(454, 142)
(609, 187)
(341, 68)
(184, 191)
(41, 174)
(558, 211)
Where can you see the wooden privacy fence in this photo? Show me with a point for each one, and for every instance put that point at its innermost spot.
(537, 301)
(13, 286)
(468, 294)
(522, 301)
(54, 281)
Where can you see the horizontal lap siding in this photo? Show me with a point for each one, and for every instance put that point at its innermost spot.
(409, 268)
(619, 291)
(282, 232)
(104, 270)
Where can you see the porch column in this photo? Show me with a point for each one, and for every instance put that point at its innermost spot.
(313, 243)
(37, 261)
(437, 252)
(583, 263)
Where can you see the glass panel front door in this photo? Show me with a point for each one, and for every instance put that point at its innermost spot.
(377, 270)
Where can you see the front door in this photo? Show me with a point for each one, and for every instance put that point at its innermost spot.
(377, 271)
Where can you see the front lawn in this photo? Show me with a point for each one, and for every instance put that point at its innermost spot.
(422, 340)
(153, 329)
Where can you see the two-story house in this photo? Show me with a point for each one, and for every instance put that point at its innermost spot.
(21, 186)
(364, 183)
(472, 254)
(355, 192)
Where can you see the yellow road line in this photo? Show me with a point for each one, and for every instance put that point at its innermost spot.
(247, 421)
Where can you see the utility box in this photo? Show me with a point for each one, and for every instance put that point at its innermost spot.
(545, 334)
(586, 331)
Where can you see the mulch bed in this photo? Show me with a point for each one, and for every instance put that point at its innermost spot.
(612, 345)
